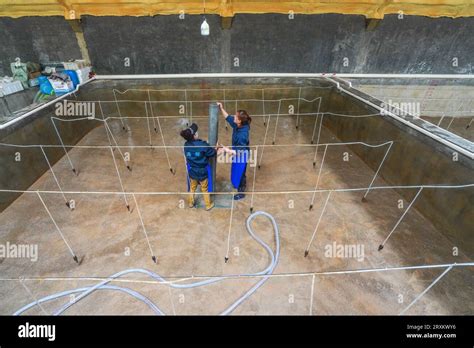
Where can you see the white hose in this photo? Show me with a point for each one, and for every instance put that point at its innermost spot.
(103, 285)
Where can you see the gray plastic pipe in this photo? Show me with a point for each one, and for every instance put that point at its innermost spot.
(212, 137)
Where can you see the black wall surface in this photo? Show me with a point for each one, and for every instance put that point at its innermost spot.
(274, 43)
(36, 39)
(262, 43)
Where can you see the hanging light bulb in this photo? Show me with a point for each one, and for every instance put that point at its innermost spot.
(204, 25)
(204, 28)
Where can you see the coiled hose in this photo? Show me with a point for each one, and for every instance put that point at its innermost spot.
(85, 291)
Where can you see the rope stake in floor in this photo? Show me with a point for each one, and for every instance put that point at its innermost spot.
(153, 257)
(298, 110)
(253, 182)
(162, 137)
(64, 148)
(319, 136)
(148, 125)
(120, 179)
(151, 110)
(316, 121)
(364, 199)
(58, 229)
(259, 163)
(118, 109)
(68, 204)
(306, 252)
(276, 123)
(319, 176)
(226, 258)
(381, 246)
(427, 289)
(117, 146)
(470, 122)
(108, 131)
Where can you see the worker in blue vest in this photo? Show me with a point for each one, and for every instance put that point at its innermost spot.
(197, 153)
(240, 124)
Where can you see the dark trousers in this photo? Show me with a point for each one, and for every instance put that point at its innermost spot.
(243, 182)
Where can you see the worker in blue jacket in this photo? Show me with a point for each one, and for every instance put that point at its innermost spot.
(240, 124)
(197, 153)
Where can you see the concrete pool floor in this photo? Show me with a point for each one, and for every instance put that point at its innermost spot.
(193, 242)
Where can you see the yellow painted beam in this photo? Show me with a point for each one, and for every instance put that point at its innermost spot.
(74, 9)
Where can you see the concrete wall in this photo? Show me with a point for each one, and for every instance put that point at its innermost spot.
(36, 129)
(12, 103)
(414, 159)
(448, 106)
(262, 43)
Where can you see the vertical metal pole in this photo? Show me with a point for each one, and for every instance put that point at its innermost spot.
(212, 137)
